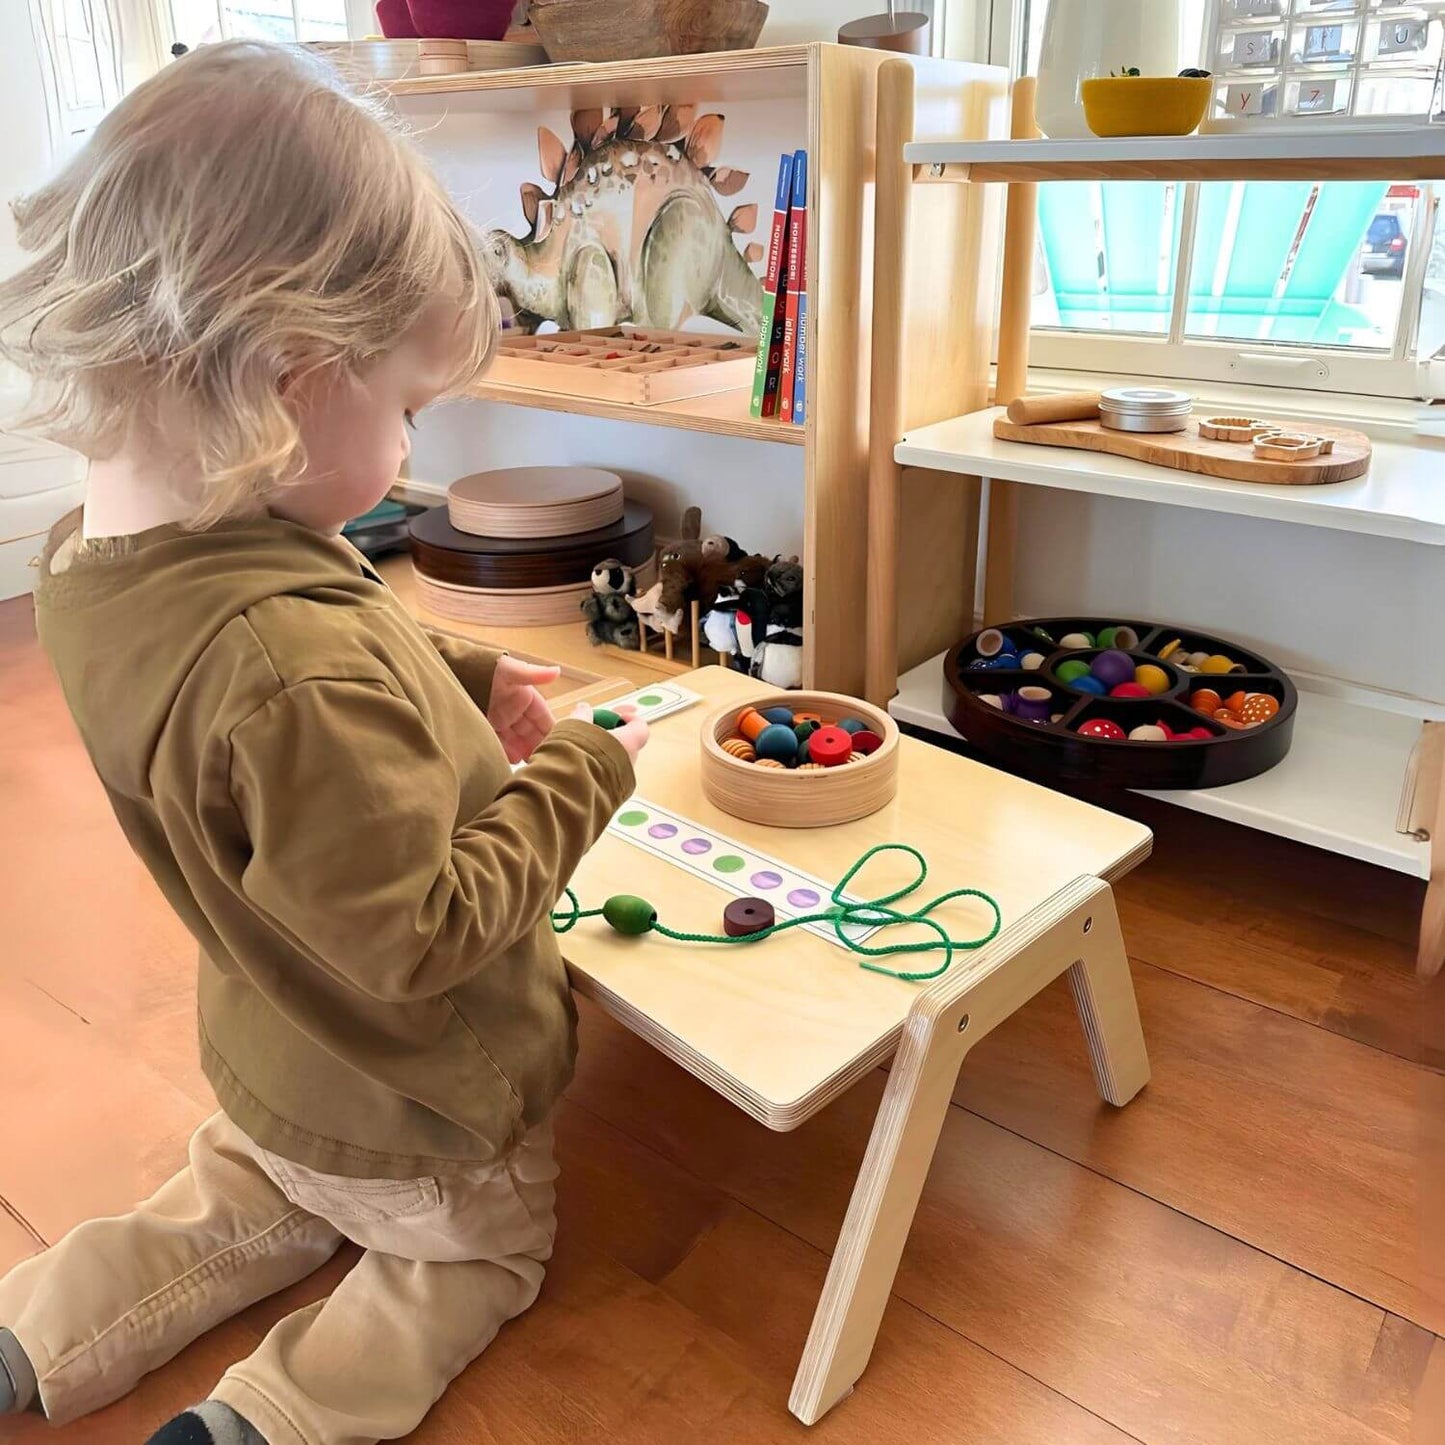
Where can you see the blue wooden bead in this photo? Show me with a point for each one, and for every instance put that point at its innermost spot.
(855, 725)
(777, 742)
(781, 715)
(1089, 683)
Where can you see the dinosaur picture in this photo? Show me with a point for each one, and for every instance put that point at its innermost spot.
(632, 229)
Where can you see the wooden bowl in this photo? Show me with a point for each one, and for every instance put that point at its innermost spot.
(604, 30)
(785, 798)
(1146, 104)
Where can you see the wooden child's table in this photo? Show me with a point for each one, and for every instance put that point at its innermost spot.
(783, 1027)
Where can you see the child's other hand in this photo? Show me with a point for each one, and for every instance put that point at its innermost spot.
(632, 734)
(516, 710)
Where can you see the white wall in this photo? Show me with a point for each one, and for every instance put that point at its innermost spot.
(24, 137)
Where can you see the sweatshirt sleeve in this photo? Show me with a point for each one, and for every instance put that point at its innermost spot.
(349, 805)
(473, 665)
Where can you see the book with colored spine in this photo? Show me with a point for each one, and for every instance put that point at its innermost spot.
(770, 333)
(797, 283)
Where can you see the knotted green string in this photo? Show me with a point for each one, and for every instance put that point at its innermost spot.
(870, 913)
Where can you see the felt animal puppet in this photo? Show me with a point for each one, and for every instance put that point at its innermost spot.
(779, 660)
(610, 618)
(718, 548)
(720, 625)
(686, 574)
(784, 586)
(611, 575)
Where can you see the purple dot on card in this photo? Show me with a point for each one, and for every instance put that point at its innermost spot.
(661, 830)
(696, 846)
(766, 880)
(804, 898)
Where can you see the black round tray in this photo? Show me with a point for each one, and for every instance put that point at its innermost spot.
(1055, 751)
(444, 554)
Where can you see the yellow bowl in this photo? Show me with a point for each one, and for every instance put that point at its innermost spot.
(1145, 104)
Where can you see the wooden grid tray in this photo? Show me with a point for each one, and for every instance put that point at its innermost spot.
(625, 363)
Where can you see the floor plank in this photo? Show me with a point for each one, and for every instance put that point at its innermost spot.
(1166, 1328)
(1304, 1144)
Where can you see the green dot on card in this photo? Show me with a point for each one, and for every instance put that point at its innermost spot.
(649, 699)
(633, 818)
(729, 863)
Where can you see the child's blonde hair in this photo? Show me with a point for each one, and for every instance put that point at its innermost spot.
(236, 221)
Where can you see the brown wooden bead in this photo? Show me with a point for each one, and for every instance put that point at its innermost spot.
(747, 915)
(741, 749)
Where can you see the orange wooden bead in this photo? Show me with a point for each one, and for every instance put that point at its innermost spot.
(1205, 700)
(1235, 701)
(1229, 718)
(856, 758)
(741, 749)
(1258, 708)
(767, 763)
(812, 717)
(750, 723)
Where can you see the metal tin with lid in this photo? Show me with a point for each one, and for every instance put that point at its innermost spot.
(1145, 409)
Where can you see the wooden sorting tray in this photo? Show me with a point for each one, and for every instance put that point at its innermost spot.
(626, 363)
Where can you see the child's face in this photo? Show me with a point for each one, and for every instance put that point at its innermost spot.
(356, 426)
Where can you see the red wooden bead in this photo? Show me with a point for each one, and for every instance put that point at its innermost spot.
(830, 746)
(866, 742)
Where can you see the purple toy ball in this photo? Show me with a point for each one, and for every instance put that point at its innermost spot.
(1113, 667)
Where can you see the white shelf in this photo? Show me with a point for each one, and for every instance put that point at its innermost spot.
(1401, 496)
(1402, 153)
(1339, 788)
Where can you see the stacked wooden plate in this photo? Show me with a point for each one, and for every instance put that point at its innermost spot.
(516, 548)
(362, 61)
(535, 502)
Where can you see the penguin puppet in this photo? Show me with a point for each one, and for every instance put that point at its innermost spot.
(774, 651)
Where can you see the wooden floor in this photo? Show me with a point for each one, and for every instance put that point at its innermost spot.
(1254, 1251)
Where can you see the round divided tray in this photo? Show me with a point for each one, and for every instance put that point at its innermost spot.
(1048, 744)
(781, 797)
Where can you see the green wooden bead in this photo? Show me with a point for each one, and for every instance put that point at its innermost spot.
(805, 729)
(604, 717)
(628, 914)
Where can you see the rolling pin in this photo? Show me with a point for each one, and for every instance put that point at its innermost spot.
(1067, 406)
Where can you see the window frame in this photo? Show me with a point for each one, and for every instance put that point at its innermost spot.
(1000, 35)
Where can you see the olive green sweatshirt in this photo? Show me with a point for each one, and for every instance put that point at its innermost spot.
(310, 780)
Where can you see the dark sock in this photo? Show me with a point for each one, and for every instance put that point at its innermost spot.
(18, 1390)
(209, 1423)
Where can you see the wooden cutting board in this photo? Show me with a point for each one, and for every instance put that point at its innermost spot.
(1187, 451)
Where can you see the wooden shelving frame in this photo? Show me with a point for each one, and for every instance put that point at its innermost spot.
(839, 87)
(1362, 732)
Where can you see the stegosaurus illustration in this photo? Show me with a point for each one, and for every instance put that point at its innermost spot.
(631, 231)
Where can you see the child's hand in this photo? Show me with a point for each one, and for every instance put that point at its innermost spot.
(632, 734)
(516, 709)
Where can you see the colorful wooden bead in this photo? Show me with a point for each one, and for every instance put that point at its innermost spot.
(1074, 667)
(629, 915)
(1113, 667)
(769, 763)
(1217, 664)
(744, 916)
(1229, 718)
(1033, 704)
(811, 768)
(1170, 648)
(1076, 639)
(830, 746)
(751, 722)
(808, 717)
(777, 741)
(604, 717)
(1129, 689)
(1258, 708)
(741, 749)
(1154, 679)
(856, 758)
(1205, 700)
(1200, 734)
(1121, 636)
(866, 742)
(1090, 684)
(989, 642)
(992, 699)
(853, 725)
(1031, 661)
(1101, 727)
(804, 728)
(1147, 733)
(781, 715)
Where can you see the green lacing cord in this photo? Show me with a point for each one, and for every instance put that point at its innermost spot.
(871, 913)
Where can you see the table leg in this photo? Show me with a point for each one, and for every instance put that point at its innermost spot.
(1078, 931)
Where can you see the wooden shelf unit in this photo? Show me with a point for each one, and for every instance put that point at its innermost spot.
(721, 413)
(1364, 779)
(839, 87)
